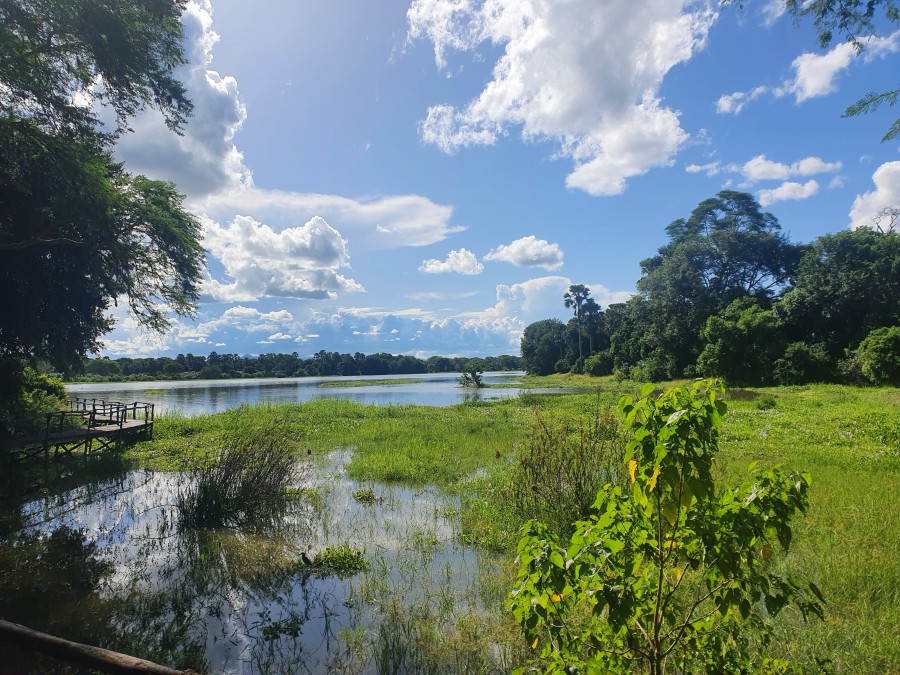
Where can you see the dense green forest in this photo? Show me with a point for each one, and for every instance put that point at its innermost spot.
(215, 366)
(729, 295)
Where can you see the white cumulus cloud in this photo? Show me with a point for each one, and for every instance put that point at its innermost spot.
(788, 190)
(377, 223)
(759, 168)
(583, 74)
(462, 261)
(203, 160)
(529, 252)
(869, 208)
(735, 103)
(297, 262)
(815, 75)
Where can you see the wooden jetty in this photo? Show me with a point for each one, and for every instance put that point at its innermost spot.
(88, 424)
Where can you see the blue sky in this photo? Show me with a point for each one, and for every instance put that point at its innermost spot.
(429, 176)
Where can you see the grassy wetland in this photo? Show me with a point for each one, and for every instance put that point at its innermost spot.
(391, 548)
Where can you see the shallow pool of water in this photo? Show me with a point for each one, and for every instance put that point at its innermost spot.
(244, 602)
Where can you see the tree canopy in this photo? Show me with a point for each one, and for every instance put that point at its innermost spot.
(77, 231)
(730, 296)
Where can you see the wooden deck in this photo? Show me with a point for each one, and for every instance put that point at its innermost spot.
(88, 424)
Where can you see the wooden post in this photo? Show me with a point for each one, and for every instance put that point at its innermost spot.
(84, 655)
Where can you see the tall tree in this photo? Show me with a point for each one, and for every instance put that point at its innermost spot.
(574, 299)
(846, 285)
(77, 232)
(593, 321)
(727, 249)
(543, 344)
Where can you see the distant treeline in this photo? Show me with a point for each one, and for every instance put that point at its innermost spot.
(730, 296)
(216, 366)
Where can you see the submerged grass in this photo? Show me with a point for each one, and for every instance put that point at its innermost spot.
(847, 438)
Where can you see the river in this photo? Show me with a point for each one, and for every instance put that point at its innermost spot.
(196, 397)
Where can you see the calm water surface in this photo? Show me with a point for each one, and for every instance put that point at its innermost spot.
(242, 601)
(196, 397)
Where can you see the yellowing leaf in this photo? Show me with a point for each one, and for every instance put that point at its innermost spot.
(677, 571)
(670, 512)
(534, 644)
(765, 551)
(654, 477)
(671, 544)
(632, 469)
(555, 597)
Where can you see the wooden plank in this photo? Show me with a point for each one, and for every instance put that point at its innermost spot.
(104, 660)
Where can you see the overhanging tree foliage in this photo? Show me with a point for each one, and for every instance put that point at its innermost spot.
(77, 232)
(855, 21)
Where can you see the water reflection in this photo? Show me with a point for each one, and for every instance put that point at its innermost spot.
(207, 396)
(244, 602)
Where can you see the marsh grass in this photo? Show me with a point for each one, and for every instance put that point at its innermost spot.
(337, 384)
(240, 486)
(847, 438)
(343, 559)
(561, 466)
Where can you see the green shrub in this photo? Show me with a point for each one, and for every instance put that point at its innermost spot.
(879, 356)
(599, 364)
(668, 574)
(366, 496)
(562, 465)
(803, 363)
(33, 395)
(765, 402)
(341, 559)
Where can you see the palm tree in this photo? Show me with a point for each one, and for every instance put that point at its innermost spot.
(591, 312)
(575, 298)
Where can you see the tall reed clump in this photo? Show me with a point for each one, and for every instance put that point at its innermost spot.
(244, 484)
(561, 466)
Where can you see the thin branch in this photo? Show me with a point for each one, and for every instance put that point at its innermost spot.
(19, 245)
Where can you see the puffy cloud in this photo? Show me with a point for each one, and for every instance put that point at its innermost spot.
(710, 169)
(815, 75)
(204, 159)
(583, 74)
(735, 103)
(298, 262)
(760, 168)
(788, 190)
(529, 252)
(206, 164)
(462, 261)
(872, 209)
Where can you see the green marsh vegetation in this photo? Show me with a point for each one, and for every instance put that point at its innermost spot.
(240, 485)
(368, 383)
(475, 466)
